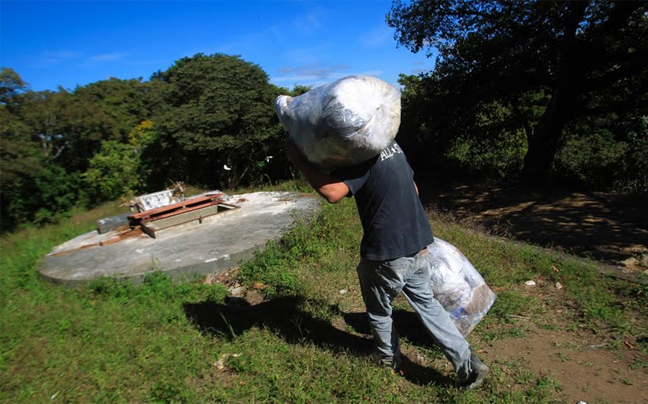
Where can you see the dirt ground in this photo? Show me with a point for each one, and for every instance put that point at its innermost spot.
(612, 229)
(583, 365)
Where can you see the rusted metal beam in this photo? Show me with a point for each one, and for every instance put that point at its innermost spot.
(176, 208)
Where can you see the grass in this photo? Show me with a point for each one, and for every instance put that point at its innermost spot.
(161, 342)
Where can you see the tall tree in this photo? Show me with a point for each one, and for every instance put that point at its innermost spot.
(67, 130)
(17, 156)
(219, 112)
(575, 59)
(11, 85)
(122, 100)
(32, 186)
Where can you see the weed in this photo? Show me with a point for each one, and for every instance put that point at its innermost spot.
(171, 392)
(524, 376)
(639, 364)
(563, 357)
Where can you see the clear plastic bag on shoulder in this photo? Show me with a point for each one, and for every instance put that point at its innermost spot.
(342, 123)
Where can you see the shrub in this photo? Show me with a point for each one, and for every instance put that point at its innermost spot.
(113, 173)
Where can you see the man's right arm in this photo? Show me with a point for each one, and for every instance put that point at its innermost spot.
(329, 187)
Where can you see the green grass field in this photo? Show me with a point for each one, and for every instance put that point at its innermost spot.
(306, 342)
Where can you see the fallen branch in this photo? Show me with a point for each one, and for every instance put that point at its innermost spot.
(516, 316)
(599, 345)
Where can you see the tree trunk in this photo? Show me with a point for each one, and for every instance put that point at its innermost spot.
(543, 142)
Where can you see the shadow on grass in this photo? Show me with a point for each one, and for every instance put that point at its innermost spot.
(285, 316)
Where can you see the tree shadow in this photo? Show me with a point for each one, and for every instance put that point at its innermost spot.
(607, 227)
(286, 317)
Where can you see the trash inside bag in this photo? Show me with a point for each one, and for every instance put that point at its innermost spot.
(458, 286)
(343, 123)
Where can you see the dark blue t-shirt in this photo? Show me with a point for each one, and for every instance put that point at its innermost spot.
(391, 212)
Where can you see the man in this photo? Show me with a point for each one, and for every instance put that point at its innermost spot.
(392, 251)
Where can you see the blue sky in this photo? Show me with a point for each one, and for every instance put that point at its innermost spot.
(70, 43)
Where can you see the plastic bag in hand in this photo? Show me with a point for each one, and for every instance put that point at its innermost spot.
(458, 286)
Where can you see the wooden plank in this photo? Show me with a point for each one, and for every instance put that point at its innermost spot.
(154, 227)
(172, 207)
(185, 210)
(194, 203)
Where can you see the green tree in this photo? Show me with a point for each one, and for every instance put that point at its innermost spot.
(112, 173)
(142, 135)
(67, 129)
(606, 155)
(17, 156)
(19, 160)
(572, 59)
(11, 85)
(123, 101)
(442, 135)
(218, 123)
(47, 139)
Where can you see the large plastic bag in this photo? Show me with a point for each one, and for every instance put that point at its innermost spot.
(342, 123)
(458, 286)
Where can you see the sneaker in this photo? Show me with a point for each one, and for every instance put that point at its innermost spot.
(391, 362)
(474, 374)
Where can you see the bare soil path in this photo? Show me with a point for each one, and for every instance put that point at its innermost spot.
(611, 229)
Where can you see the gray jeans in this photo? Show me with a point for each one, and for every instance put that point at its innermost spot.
(382, 281)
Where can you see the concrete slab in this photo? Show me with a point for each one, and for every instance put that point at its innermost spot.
(207, 246)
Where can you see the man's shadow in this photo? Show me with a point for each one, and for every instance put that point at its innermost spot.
(285, 317)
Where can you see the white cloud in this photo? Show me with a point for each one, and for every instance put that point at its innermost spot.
(54, 57)
(314, 75)
(107, 57)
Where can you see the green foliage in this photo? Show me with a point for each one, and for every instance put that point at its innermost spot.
(632, 175)
(142, 135)
(112, 173)
(440, 137)
(590, 160)
(299, 90)
(19, 162)
(497, 153)
(606, 155)
(48, 137)
(56, 193)
(18, 157)
(11, 84)
(548, 63)
(122, 101)
(277, 265)
(219, 112)
(45, 197)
